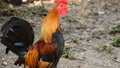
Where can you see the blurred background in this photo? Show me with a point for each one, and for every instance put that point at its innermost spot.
(91, 31)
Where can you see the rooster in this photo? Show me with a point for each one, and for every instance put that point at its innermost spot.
(17, 34)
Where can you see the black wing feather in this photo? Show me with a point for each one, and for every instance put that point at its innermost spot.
(58, 39)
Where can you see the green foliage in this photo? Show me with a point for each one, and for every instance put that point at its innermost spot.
(31, 11)
(67, 54)
(107, 49)
(116, 43)
(115, 30)
(3, 5)
(38, 11)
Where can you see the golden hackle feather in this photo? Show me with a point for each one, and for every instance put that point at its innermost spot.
(50, 25)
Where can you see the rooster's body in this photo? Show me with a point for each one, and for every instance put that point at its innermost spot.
(18, 35)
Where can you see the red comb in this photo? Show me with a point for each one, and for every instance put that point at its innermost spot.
(62, 1)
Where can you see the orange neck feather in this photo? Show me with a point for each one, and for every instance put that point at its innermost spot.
(50, 25)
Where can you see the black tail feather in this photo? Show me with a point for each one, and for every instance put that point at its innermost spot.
(14, 31)
(20, 29)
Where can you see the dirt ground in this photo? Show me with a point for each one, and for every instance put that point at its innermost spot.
(86, 32)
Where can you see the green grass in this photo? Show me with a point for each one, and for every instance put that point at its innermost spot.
(114, 31)
(116, 43)
(68, 54)
(104, 48)
(25, 11)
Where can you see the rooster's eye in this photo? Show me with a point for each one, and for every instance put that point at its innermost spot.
(62, 6)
